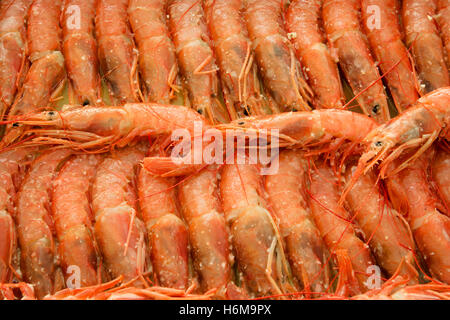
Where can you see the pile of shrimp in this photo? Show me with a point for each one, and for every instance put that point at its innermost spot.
(94, 95)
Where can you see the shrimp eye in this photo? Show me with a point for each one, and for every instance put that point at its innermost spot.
(85, 102)
(15, 125)
(376, 108)
(200, 111)
(378, 144)
(51, 113)
(241, 123)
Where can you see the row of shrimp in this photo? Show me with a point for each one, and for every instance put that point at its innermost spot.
(277, 57)
(340, 210)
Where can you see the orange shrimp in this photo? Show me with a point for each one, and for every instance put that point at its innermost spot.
(441, 176)
(168, 235)
(157, 58)
(35, 225)
(418, 126)
(116, 49)
(13, 15)
(305, 248)
(235, 57)
(72, 216)
(120, 233)
(443, 19)
(196, 58)
(207, 228)
(254, 233)
(275, 55)
(381, 23)
(80, 50)
(10, 169)
(303, 22)
(343, 28)
(100, 127)
(335, 224)
(46, 73)
(422, 36)
(410, 193)
(385, 230)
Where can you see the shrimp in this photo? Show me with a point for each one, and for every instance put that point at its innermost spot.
(35, 225)
(342, 25)
(196, 58)
(386, 231)
(11, 165)
(254, 233)
(305, 248)
(116, 51)
(385, 38)
(80, 50)
(100, 127)
(443, 19)
(120, 233)
(235, 57)
(335, 223)
(409, 192)
(207, 228)
(157, 58)
(168, 235)
(13, 15)
(303, 22)
(418, 126)
(275, 55)
(441, 176)
(422, 36)
(72, 215)
(46, 73)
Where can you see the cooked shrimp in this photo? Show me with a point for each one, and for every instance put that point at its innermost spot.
(410, 193)
(305, 248)
(418, 126)
(120, 233)
(275, 55)
(168, 235)
(422, 36)
(440, 169)
(443, 19)
(385, 38)
(116, 51)
(11, 165)
(196, 58)
(157, 59)
(208, 231)
(303, 22)
(46, 73)
(253, 231)
(385, 230)
(80, 50)
(240, 82)
(335, 223)
(342, 25)
(35, 225)
(13, 16)
(72, 215)
(100, 127)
